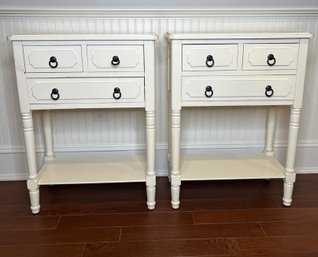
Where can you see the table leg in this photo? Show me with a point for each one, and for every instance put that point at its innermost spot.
(270, 131)
(175, 158)
(48, 135)
(151, 174)
(290, 176)
(31, 159)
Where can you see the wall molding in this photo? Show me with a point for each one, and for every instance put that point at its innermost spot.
(15, 166)
(159, 13)
(241, 145)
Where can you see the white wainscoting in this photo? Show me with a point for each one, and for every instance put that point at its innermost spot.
(78, 132)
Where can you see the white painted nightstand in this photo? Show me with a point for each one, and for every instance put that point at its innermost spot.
(259, 69)
(80, 72)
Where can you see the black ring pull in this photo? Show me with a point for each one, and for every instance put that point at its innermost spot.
(208, 91)
(269, 91)
(117, 93)
(53, 62)
(55, 95)
(115, 60)
(271, 60)
(209, 61)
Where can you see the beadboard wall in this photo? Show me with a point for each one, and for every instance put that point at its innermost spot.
(220, 129)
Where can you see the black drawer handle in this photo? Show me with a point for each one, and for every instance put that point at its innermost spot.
(271, 60)
(53, 62)
(117, 93)
(115, 60)
(208, 91)
(269, 91)
(55, 95)
(209, 61)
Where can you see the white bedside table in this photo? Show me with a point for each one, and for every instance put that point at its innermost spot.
(260, 69)
(81, 72)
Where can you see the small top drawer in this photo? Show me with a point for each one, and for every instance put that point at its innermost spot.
(115, 58)
(270, 56)
(53, 58)
(210, 57)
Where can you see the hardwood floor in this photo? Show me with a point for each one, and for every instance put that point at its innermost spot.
(216, 218)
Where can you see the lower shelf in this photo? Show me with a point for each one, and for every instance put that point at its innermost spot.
(226, 167)
(93, 170)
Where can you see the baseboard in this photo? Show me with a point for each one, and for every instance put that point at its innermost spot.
(14, 166)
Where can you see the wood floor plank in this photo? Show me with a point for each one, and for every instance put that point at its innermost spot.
(305, 202)
(280, 255)
(60, 250)
(99, 193)
(255, 215)
(164, 248)
(269, 246)
(229, 189)
(59, 209)
(14, 210)
(233, 219)
(260, 255)
(128, 219)
(28, 223)
(308, 227)
(16, 192)
(13, 192)
(53, 236)
(306, 185)
(144, 233)
(236, 203)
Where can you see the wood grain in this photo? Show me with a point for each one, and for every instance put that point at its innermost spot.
(255, 215)
(230, 219)
(279, 245)
(53, 236)
(214, 247)
(60, 250)
(145, 233)
(28, 223)
(129, 219)
(309, 227)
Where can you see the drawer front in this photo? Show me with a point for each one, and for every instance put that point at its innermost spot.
(83, 90)
(115, 58)
(210, 57)
(210, 89)
(53, 58)
(270, 56)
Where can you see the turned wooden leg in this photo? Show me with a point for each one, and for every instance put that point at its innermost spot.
(290, 177)
(31, 159)
(151, 174)
(270, 132)
(169, 147)
(48, 135)
(175, 158)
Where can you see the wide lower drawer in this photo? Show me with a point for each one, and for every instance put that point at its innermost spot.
(83, 90)
(55, 58)
(237, 88)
